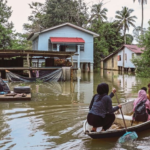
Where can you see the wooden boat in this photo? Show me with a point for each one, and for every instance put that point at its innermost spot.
(119, 129)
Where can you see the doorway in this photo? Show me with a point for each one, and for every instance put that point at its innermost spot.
(62, 48)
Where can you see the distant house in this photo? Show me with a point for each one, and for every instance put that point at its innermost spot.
(121, 59)
(67, 38)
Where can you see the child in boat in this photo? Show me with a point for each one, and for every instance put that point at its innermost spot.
(101, 112)
(141, 97)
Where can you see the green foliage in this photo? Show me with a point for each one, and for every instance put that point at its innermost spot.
(129, 39)
(54, 13)
(98, 13)
(22, 84)
(61, 11)
(124, 20)
(143, 63)
(36, 18)
(5, 12)
(5, 37)
(20, 42)
(110, 40)
(5, 26)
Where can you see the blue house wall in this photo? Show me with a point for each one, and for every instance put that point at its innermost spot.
(42, 42)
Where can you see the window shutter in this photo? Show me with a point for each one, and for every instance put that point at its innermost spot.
(81, 47)
(118, 57)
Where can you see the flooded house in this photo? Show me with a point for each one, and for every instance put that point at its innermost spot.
(121, 59)
(66, 37)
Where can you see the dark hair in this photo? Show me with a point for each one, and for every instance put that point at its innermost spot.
(102, 88)
(144, 88)
(148, 85)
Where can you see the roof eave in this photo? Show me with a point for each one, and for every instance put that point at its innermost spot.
(74, 26)
(33, 36)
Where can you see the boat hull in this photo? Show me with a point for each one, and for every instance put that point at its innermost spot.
(118, 133)
(127, 108)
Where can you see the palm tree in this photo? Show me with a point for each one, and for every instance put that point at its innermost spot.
(129, 38)
(124, 20)
(98, 13)
(142, 2)
(137, 30)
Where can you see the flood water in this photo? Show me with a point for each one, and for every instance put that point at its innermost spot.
(53, 119)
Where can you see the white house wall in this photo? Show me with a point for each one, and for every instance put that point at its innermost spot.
(67, 31)
(35, 44)
(120, 63)
(127, 63)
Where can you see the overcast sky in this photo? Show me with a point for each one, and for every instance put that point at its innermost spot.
(21, 10)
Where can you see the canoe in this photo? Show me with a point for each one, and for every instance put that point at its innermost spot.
(119, 129)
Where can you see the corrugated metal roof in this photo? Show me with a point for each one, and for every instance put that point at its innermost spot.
(66, 40)
(133, 48)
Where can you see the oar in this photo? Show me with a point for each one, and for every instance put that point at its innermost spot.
(128, 136)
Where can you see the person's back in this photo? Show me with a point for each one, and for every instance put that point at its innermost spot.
(101, 110)
(101, 105)
(141, 97)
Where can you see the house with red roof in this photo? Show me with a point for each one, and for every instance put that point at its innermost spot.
(121, 59)
(67, 37)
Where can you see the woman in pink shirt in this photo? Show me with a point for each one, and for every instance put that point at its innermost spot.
(141, 97)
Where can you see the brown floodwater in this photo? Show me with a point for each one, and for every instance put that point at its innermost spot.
(53, 119)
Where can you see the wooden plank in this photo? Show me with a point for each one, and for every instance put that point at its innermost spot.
(34, 68)
(14, 98)
(34, 52)
(71, 60)
(28, 62)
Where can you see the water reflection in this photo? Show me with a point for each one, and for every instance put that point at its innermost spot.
(54, 117)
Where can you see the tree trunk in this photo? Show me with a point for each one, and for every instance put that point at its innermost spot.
(124, 35)
(142, 17)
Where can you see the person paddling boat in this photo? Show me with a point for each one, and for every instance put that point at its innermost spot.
(101, 113)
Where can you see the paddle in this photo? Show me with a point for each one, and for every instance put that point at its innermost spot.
(128, 136)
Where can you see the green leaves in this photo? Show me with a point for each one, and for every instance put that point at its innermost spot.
(143, 63)
(56, 12)
(5, 26)
(125, 20)
(20, 42)
(109, 40)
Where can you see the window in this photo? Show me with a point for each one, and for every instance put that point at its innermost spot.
(119, 57)
(55, 46)
(81, 47)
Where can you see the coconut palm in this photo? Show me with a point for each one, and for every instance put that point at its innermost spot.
(125, 20)
(137, 31)
(129, 38)
(142, 2)
(98, 13)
